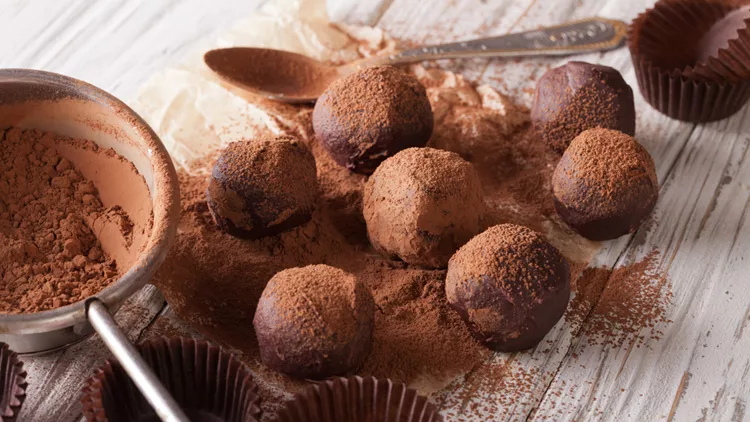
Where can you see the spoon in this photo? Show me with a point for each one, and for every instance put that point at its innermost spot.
(295, 78)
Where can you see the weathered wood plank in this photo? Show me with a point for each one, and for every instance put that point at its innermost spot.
(698, 370)
(357, 12)
(116, 45)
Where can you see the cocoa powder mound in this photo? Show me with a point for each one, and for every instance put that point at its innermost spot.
(49, 255)
(418, 339)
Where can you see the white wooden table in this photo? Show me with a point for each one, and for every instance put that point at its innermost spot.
(698, 370)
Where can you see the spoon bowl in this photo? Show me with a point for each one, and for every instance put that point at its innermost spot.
(275, 74)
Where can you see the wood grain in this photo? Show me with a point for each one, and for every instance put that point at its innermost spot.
(55, 379)
(697, 370)
(116, 45)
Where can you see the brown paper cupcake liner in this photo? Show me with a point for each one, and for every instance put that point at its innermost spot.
(13, 384)
(208, 383)
(663, 42)
(357, 399)
(689, 100)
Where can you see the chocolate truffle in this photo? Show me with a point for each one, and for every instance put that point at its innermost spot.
(370, 115)
(605, 184)
(263, 187)
(422, 204)
(579, 96)
(314, 322)
(510, 287)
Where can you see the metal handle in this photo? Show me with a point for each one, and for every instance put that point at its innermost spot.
(585, 36)
(144, 378)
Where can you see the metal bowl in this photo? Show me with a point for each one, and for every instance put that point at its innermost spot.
(33, 99)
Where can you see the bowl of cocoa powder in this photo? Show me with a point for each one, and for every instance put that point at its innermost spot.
(89, 205)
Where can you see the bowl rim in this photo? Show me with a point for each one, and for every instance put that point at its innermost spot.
(165, 199)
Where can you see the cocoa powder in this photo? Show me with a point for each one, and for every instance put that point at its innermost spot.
(632, 305)
(611, 306)
(280, 72)
(49, 254)
(418, 338)
(213, 281)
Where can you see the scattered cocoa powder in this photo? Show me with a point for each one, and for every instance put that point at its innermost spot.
(587, 289)
(213, 281)
(635, 299)
(611, 306)
(49, 254)
(504, 385)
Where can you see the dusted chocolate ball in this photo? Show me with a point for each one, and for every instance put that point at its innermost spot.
(580, 96)
(605, 184)
(370, 115)
(263, 187)
(314, 322)
(510, 287)
(422, 204)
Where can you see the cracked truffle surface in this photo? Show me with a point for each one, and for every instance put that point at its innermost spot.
(314, 322)
(263, 187)
(510, 286)
(370, 115)
(422, 204)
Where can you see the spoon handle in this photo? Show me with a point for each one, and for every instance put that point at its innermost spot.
(584, 36)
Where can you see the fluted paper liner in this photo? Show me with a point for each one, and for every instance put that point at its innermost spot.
(14, 384)
(357, 399)
(664, 43)
(209, 383)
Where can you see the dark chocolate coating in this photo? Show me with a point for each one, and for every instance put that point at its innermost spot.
(510, 286)
(580, 96)
(263, 187)
(314, 322)
(370, 115)
(605, 184)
